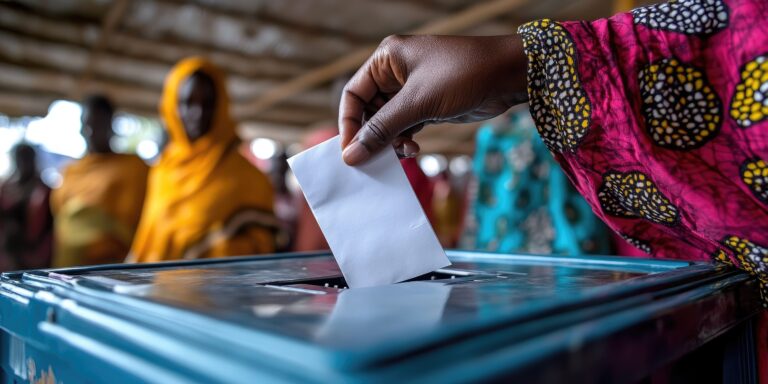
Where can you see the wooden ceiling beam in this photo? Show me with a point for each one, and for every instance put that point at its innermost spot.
(249, 14)
(300, 115)
(192, 24)
(40, 80)
(468, 18)
(284, 133)
(57, 85)
(451, 24)
(86, 35)
(449, 130)
(448, 138)
(110, 22)
(367, 21)
(71, 59)
(17, 104)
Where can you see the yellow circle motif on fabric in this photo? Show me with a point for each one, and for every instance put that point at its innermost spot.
(754, 173)
(634, 195)
(750, 99)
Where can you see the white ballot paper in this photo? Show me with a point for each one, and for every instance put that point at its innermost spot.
(369, 215)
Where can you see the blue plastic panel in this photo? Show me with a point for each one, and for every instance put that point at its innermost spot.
(275, 316)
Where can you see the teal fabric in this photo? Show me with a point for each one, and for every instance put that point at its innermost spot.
(524, 202)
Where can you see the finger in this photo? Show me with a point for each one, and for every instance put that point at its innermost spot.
(394, 117)
(371, 108)
(357, 94)
(379, 100)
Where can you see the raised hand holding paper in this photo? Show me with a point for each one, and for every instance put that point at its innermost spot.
(369, 215)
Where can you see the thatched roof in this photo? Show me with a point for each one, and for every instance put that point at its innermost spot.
(281, 55)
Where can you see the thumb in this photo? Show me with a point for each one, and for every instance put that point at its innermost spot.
(394, 117)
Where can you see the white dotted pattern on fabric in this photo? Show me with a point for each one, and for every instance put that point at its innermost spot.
(634, 195)
(639, 244)
(559, 104)
(681, 109)
(691, 17)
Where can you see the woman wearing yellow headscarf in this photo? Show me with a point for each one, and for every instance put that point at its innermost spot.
(204, 199)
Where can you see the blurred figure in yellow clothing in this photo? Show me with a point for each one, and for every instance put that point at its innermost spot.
(204, 199)
(98, 205)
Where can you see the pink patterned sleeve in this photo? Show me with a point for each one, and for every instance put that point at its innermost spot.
(658, 116)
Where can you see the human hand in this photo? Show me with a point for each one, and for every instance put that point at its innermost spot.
(410, 81)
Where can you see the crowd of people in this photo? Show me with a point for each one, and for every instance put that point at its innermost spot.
(203, 198)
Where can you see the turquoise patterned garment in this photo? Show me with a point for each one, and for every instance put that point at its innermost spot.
(524, 202)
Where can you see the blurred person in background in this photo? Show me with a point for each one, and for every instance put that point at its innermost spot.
(421, 184)
(447, 206)
(25, 219)
(286, 209)
(204, 199)
(524, 202)
(98, 204)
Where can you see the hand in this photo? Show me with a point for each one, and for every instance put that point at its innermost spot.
(410, 81)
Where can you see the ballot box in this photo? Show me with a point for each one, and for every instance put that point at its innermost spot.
(290, 318)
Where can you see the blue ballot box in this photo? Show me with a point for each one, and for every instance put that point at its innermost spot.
(290, 318)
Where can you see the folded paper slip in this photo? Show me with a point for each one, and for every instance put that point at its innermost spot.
(369, 215)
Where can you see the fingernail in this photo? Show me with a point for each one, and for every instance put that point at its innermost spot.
(404, 152)
(400, 151)
(355, 153)
(399, 145)
(410, 149)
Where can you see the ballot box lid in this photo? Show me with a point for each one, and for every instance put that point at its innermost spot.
(292, 314)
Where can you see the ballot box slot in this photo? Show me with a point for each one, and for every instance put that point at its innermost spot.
(339, 283)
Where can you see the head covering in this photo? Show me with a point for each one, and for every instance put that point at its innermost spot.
(201, 193)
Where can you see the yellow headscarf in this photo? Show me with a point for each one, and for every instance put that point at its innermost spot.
(204, 199)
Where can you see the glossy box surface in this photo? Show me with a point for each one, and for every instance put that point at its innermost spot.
(290, 318)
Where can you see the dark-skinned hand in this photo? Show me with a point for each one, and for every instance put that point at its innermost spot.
(410, 81)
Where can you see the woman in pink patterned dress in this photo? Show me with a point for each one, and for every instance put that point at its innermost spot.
(658, 116)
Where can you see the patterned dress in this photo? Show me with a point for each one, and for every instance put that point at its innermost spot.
(523, 201)
(660, 118)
